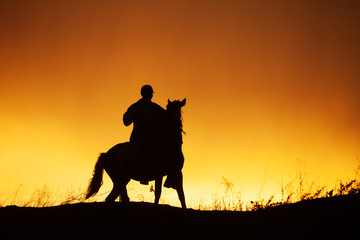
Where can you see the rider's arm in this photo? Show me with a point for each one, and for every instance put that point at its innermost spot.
(128, 117)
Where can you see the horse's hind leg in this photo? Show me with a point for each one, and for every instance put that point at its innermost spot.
(123, 192)
(113, 194)
(158, 183)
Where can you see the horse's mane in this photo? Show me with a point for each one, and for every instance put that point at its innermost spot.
(181, 124)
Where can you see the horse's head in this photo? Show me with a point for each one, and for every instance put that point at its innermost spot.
(174, 110)
(175, 106)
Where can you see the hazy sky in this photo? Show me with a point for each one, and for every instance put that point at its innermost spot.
(268, 84)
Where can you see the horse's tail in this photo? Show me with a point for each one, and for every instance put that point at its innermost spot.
(96, 181)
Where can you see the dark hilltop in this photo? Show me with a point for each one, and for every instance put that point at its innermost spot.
(318, 218)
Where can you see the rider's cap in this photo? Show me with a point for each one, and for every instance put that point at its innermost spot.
(146, 89)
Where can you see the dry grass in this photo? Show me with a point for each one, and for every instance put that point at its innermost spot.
(225, 200)
(295, 191)
(44, 197)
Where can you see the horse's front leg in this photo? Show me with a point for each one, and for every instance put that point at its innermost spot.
(158, 183)
(180, 191)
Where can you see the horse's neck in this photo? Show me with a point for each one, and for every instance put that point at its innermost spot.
(175, 132)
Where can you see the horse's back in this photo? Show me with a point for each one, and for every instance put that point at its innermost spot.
(137, 162)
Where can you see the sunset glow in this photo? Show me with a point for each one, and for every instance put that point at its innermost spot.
(268, 85)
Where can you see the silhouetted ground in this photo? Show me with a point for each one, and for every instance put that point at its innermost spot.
(319, 218)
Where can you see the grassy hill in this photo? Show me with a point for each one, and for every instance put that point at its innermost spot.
(323, 217)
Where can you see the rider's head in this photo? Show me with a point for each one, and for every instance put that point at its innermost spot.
(147, 92)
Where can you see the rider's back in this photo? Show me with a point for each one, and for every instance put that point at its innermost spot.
(148, 118)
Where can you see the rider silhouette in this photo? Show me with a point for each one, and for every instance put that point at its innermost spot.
(146, 117)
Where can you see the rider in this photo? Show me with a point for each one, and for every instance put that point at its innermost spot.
(146, 116)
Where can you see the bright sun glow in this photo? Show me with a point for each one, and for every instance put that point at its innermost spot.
(272, 91)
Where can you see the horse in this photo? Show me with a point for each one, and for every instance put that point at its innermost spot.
(125, 161)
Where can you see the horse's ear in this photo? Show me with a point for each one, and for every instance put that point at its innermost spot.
(169, 101)
(183, 102)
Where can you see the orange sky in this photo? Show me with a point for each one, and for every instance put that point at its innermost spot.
(266, 83)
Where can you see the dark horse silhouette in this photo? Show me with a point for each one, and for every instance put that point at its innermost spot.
(126, 161)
